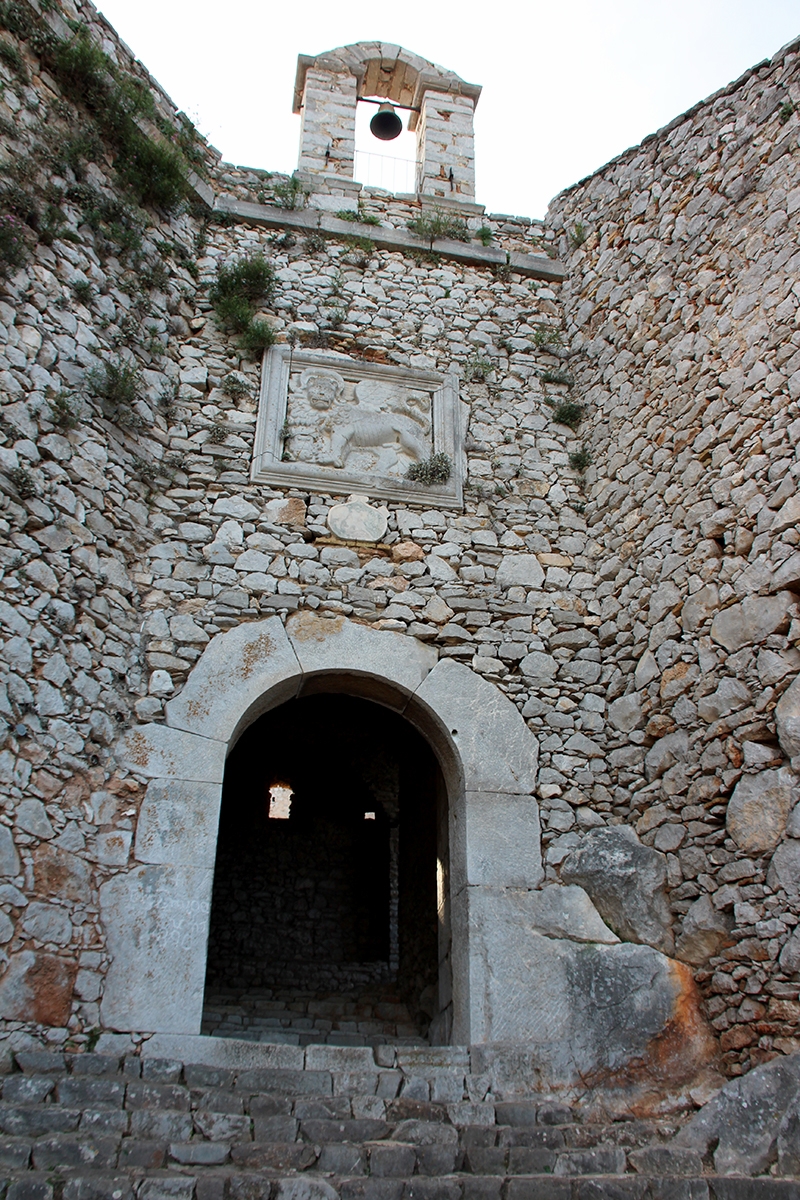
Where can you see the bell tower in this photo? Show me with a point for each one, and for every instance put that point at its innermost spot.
(441, 106)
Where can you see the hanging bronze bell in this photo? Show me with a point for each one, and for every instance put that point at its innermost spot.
(386, 124)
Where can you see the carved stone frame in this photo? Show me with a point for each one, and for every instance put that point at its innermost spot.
(447, 430)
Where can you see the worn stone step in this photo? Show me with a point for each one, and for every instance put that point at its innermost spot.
(251, 1185)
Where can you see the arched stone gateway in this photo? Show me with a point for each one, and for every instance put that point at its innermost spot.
(531, 964)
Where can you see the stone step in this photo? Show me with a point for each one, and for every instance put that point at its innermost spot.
(216, 1184)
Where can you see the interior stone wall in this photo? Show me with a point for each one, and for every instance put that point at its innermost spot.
(640, 612)
(682, 316)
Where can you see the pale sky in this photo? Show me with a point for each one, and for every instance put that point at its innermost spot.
(566, 86)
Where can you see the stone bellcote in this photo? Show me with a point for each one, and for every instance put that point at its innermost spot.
(328, 87)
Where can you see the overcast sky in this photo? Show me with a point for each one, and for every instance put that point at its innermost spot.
(566, 85)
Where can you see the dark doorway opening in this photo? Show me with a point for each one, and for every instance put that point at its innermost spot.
(329, 919)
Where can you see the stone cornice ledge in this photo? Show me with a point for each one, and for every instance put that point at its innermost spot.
(308, 220)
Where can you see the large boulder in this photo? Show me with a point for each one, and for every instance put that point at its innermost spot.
(744, 1119)
(619, 1015)
(627, 883)
(754, 619)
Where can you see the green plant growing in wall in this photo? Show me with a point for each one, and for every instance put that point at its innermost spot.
(13, 249)
(430, 471)
(569, 412)
(545, 335)
(117, 385)
(485, 235)
(23, 482)
(236, 386)
(291, 194)
(10, 55)
(218, 432)
(63, 414)
(82, 291)
(432, 226)
(785, 111)
(477, 369)
(257, 337)
(579, 460)
(578, 235)
(560, 377)
(314, 243)
(236, 291)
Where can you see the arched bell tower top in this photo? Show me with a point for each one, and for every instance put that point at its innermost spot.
(329, 85)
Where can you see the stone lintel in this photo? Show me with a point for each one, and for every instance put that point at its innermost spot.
(533, 265)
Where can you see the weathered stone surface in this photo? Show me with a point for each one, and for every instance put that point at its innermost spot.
(239, 675)
(357, 520)
(790, 954)
(787, 719)
(731, 695)
(626, 881)
(520, 570)
(744, 1118)
(57, 872)
(37, 987)
(158, 752)
(706, 931)
(625, 714)
(750, 621)
(497, 751)
(503, 839)
(155, 918)
(784, 869)
(699, 607)
(758, 809)
(9, 859)
(586, 1011)
(567, 912)
(388, 665)
(178, 823)
(665, 753)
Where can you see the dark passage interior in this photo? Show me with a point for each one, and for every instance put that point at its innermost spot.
(325, 919)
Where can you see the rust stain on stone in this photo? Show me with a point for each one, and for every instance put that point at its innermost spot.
(254, 654)
(56, 872)
(673, 1058)
(138, 748)
(307, 628)
(50, 980)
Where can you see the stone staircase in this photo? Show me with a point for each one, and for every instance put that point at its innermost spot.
(363, 1018)
(327, 1122)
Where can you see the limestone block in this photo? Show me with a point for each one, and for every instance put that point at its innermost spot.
(787, 517)
(498, 752)
(566, 911)
(758, 809)
(731, 695)
(755, 618)
(646, 670)
(234, 506)
(9, 859)
(158, 752)
(790, 954)
(743, 1120)
(377, 656)
(584, 1009)
(501, 839)
(625, 714)
(178, 823)
(56, 872)
(539, 667)
(247, 670)
(627, 882)
(699, 607)
(784, 870)
(520, 570)
(665, 753)
(705, 932)
(223, 1052)
(787, 719)
(37, 987)
(156, 924)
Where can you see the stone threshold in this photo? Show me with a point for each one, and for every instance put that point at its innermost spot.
(534, 266)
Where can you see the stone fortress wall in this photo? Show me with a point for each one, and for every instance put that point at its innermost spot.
(610, 602)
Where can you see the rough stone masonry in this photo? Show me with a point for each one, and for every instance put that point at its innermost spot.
(613, 565)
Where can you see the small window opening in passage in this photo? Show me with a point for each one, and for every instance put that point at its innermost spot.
(280, 802)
